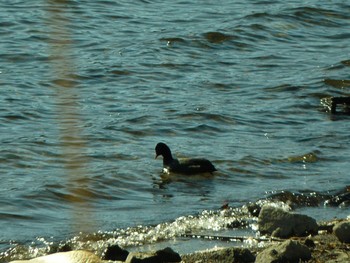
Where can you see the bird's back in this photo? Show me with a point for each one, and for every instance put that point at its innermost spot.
(192, 166)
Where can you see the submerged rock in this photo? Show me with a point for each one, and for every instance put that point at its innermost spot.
(217, 37)
(160, 256)
(342, 231)
(288, 251)
(279, 223)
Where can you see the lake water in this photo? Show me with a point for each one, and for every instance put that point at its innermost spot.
(88, 88)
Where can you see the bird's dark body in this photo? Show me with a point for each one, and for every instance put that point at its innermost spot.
(183, 166)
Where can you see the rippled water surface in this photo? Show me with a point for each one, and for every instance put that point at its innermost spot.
(89, 88)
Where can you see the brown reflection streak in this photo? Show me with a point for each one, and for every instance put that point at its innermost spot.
(69, 119)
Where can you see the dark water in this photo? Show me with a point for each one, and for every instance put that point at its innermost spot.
(89, 88)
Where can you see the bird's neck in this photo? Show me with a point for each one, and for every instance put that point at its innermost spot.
(167, 158)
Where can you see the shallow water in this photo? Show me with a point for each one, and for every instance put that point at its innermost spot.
(88, 89)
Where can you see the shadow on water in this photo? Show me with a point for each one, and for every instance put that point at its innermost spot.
(69, 120)
(164, 180)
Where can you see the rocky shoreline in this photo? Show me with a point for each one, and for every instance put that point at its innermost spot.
(291, 238)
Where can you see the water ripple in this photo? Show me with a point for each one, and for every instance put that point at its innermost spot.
(237, 83)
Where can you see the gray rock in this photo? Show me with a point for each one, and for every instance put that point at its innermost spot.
(160, 256)
(223, 255)
(342, 231)
(279, 223)
(289, 251)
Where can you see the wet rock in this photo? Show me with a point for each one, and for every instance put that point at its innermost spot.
(77, 256)
(64, 248)
(342, 231)
(160, 256)
(224, 255)
(288, 251)
(341, 200)
(331, 103)
(115, 252)
(279, 223)
(300, 199)
(254, 209)
(168, 255)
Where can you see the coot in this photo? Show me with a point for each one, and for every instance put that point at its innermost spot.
(182, 166)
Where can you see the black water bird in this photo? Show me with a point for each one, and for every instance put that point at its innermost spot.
(182, 166)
